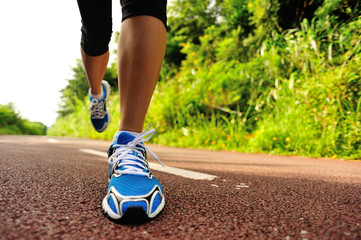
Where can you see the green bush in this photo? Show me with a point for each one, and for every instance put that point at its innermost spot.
(12, 123)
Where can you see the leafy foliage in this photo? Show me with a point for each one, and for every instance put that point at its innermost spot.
(247, 74)
(12, 123)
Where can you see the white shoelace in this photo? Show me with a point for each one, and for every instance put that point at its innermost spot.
(97, 108)
(132, 164)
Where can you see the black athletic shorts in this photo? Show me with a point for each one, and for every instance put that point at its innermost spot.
(96, 21)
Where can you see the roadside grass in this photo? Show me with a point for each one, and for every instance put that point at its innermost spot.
(292, 128)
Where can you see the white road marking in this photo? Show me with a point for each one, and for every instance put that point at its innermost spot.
(242, 185)
(158, 167)
(94, 152)
(52, 140)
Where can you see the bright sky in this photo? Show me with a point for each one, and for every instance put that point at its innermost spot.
(39, 42)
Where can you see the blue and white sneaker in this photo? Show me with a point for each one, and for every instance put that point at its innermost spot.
(99, 115)
(132, 186)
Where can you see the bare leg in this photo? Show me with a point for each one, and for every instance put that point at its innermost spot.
(95, 68)
(141, 49)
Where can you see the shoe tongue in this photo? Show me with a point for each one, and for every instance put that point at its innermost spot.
(123, 138)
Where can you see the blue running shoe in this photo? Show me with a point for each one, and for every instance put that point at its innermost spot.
(132, 185)
(99, 114)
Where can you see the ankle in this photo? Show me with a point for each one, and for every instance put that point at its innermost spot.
(98, 96)
(134, 133)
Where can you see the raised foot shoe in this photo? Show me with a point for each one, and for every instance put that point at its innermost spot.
(99, 115)
(132, 186)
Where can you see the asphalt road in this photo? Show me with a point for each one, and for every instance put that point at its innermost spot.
(52, 190)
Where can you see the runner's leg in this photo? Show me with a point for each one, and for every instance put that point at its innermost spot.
(96, 34)
(141, 49)
(95, 67)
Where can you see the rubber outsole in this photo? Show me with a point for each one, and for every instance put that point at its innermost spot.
(131, 212)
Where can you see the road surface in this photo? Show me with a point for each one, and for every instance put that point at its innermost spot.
(52, 188)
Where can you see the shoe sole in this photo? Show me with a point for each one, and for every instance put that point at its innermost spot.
(132, 210)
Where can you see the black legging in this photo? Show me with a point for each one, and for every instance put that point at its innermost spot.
(97, 20)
